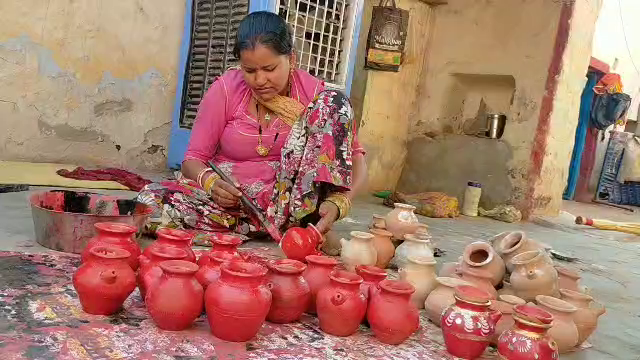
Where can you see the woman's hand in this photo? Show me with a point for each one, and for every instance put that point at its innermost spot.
(225, 194)
(329, 213)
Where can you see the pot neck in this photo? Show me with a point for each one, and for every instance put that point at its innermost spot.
(244, 280)
(529, 326)
(115, 237)
(346, 286)
(108, 261)
(473, 306)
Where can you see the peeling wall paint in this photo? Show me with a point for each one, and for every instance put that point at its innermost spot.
(89, 82)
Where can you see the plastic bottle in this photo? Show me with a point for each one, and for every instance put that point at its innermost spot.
(471, 199)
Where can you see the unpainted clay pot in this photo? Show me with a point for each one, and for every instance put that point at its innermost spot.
(401, 220)
(469, 324)
(586, 317)
(377, 222)
(412, 245)
(384, 247)
(391, 315)
(173, 238)
(290, 293)
(297, 243)
(317, 276)
(482, 256)
(450, 269)
(532, 275)
(568, 278)
(371, 276)
(497, 239)
(506, 289)
(358, 251)
(341, 306)
(441, 297)
(115, 235)
(515, 243)
(528, 338)
(480, 278)
(564, 331)
(504, 304)
(104, 281)
(150, 272)
(177, 299)
(210, 270)
(421, 274)
(238, 303)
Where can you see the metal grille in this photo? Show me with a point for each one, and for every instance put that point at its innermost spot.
(322, 32)
(213, 31)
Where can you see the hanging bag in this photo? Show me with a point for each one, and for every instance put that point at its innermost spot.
(387, 36)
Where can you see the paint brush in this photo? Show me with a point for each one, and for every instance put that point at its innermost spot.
(247, 202)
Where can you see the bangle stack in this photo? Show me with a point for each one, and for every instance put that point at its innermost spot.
(342, 202)
(209, 182)
(201, 174)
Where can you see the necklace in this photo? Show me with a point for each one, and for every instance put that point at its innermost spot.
(261, 149)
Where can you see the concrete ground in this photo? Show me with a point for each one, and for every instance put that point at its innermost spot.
(607, 260)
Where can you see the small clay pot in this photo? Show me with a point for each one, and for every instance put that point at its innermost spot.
(441, 297)
(290, 293)
(358, 251)
(415, 245)
(341, 306)
(401, 220)
(586, 317)
(568, 278)
(421, 274)
(391, 315)
(480, 278)
(297, 243)
(150, 272)
(317, 276)
(371, 276)
(384, 247)
(482, 256)
(515, 243)
(504, 304)
(210, 270)
(564, 331)
(377, 222)
(532, 275)
(173, 238)
(528, 338)
(115, 235)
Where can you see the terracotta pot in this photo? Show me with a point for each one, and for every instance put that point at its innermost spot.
(528, 339)
(371, 276)
(104, 281)
(377, 222)
(297, 243)
(504, 304)
(532, 275)
(210, 270)
(480, 278)
(568, 278)
(469, 324)
(586, 317)
(401, 220)
(358, 251)
(227, 243)
(384, 247)
(177, 300)
(564, 331)
(513, 244)
(450, 269)
(391, 315)
(290, 293)
(421, 274)
(238, 303)
(497, 239)
(341, 306)
(412, 245)
(115, 235)
(317, 276)
(482, 256)
(506, 289)
(441, 297)
(150, 272)
(174, 238)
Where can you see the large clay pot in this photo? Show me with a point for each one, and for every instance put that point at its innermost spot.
(586, 317)
(506, 289)
(177, 299)
(481, 255)
(210, 270)
(297, 243)
(513, 244)
(384, 247)
(341, 306)
(401, 220)
(358, 251)
(104, 281)
(421, 273)
(528, 338)
(532, 275)
(371, 276)
(290, 293)
(174, 238)
(441, 297)
(469, 324)
(317, 276)
(412, 245)
(564, 331)
(377, 222)
(115, 235)
(238, 303)
(480, 278)
(391, 315)
(504, 304)
(150, 272)
(568, 278)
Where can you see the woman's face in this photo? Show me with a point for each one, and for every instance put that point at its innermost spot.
(265, 71)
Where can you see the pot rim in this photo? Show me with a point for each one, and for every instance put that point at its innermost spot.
(180, 267)
(380, 232)
(526, 257)
(543, 317)
(371, 270)
(451, 281)
(404, 206)
(361, 235)
(219, 256)
(421, 260)
(115, 227)
(568, 272)
(378, 216)
(227, 239)
(287, 266)
(173, 234)
(345, 277)
(521, 237)
(399, 287)
(472, 294)
(481, 245)
(572, 294)
(555, 304)
(168, 252)
(413, 237)
(243, 269)
(498, 237)
(321, 260)
(109, 252)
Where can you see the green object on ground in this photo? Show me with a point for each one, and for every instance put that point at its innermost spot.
(383, 194)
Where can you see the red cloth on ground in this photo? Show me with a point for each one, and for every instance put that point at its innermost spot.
(133, 181)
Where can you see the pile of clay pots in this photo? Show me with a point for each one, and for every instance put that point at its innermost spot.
(238, 295)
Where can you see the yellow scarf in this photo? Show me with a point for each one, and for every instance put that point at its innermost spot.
(286, 108)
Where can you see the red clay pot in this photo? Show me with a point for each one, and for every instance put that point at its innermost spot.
(528, 339)
(290, 293)
(469, 324)
(177, 300)
(104, 281)
(237, 304)
(173, 237)
(227, 243)
(341, 306)
(391, 314)
(150, 272)
(115, 235)
(210, 271)
(371, 276)
(317, 276)
(297, 243)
